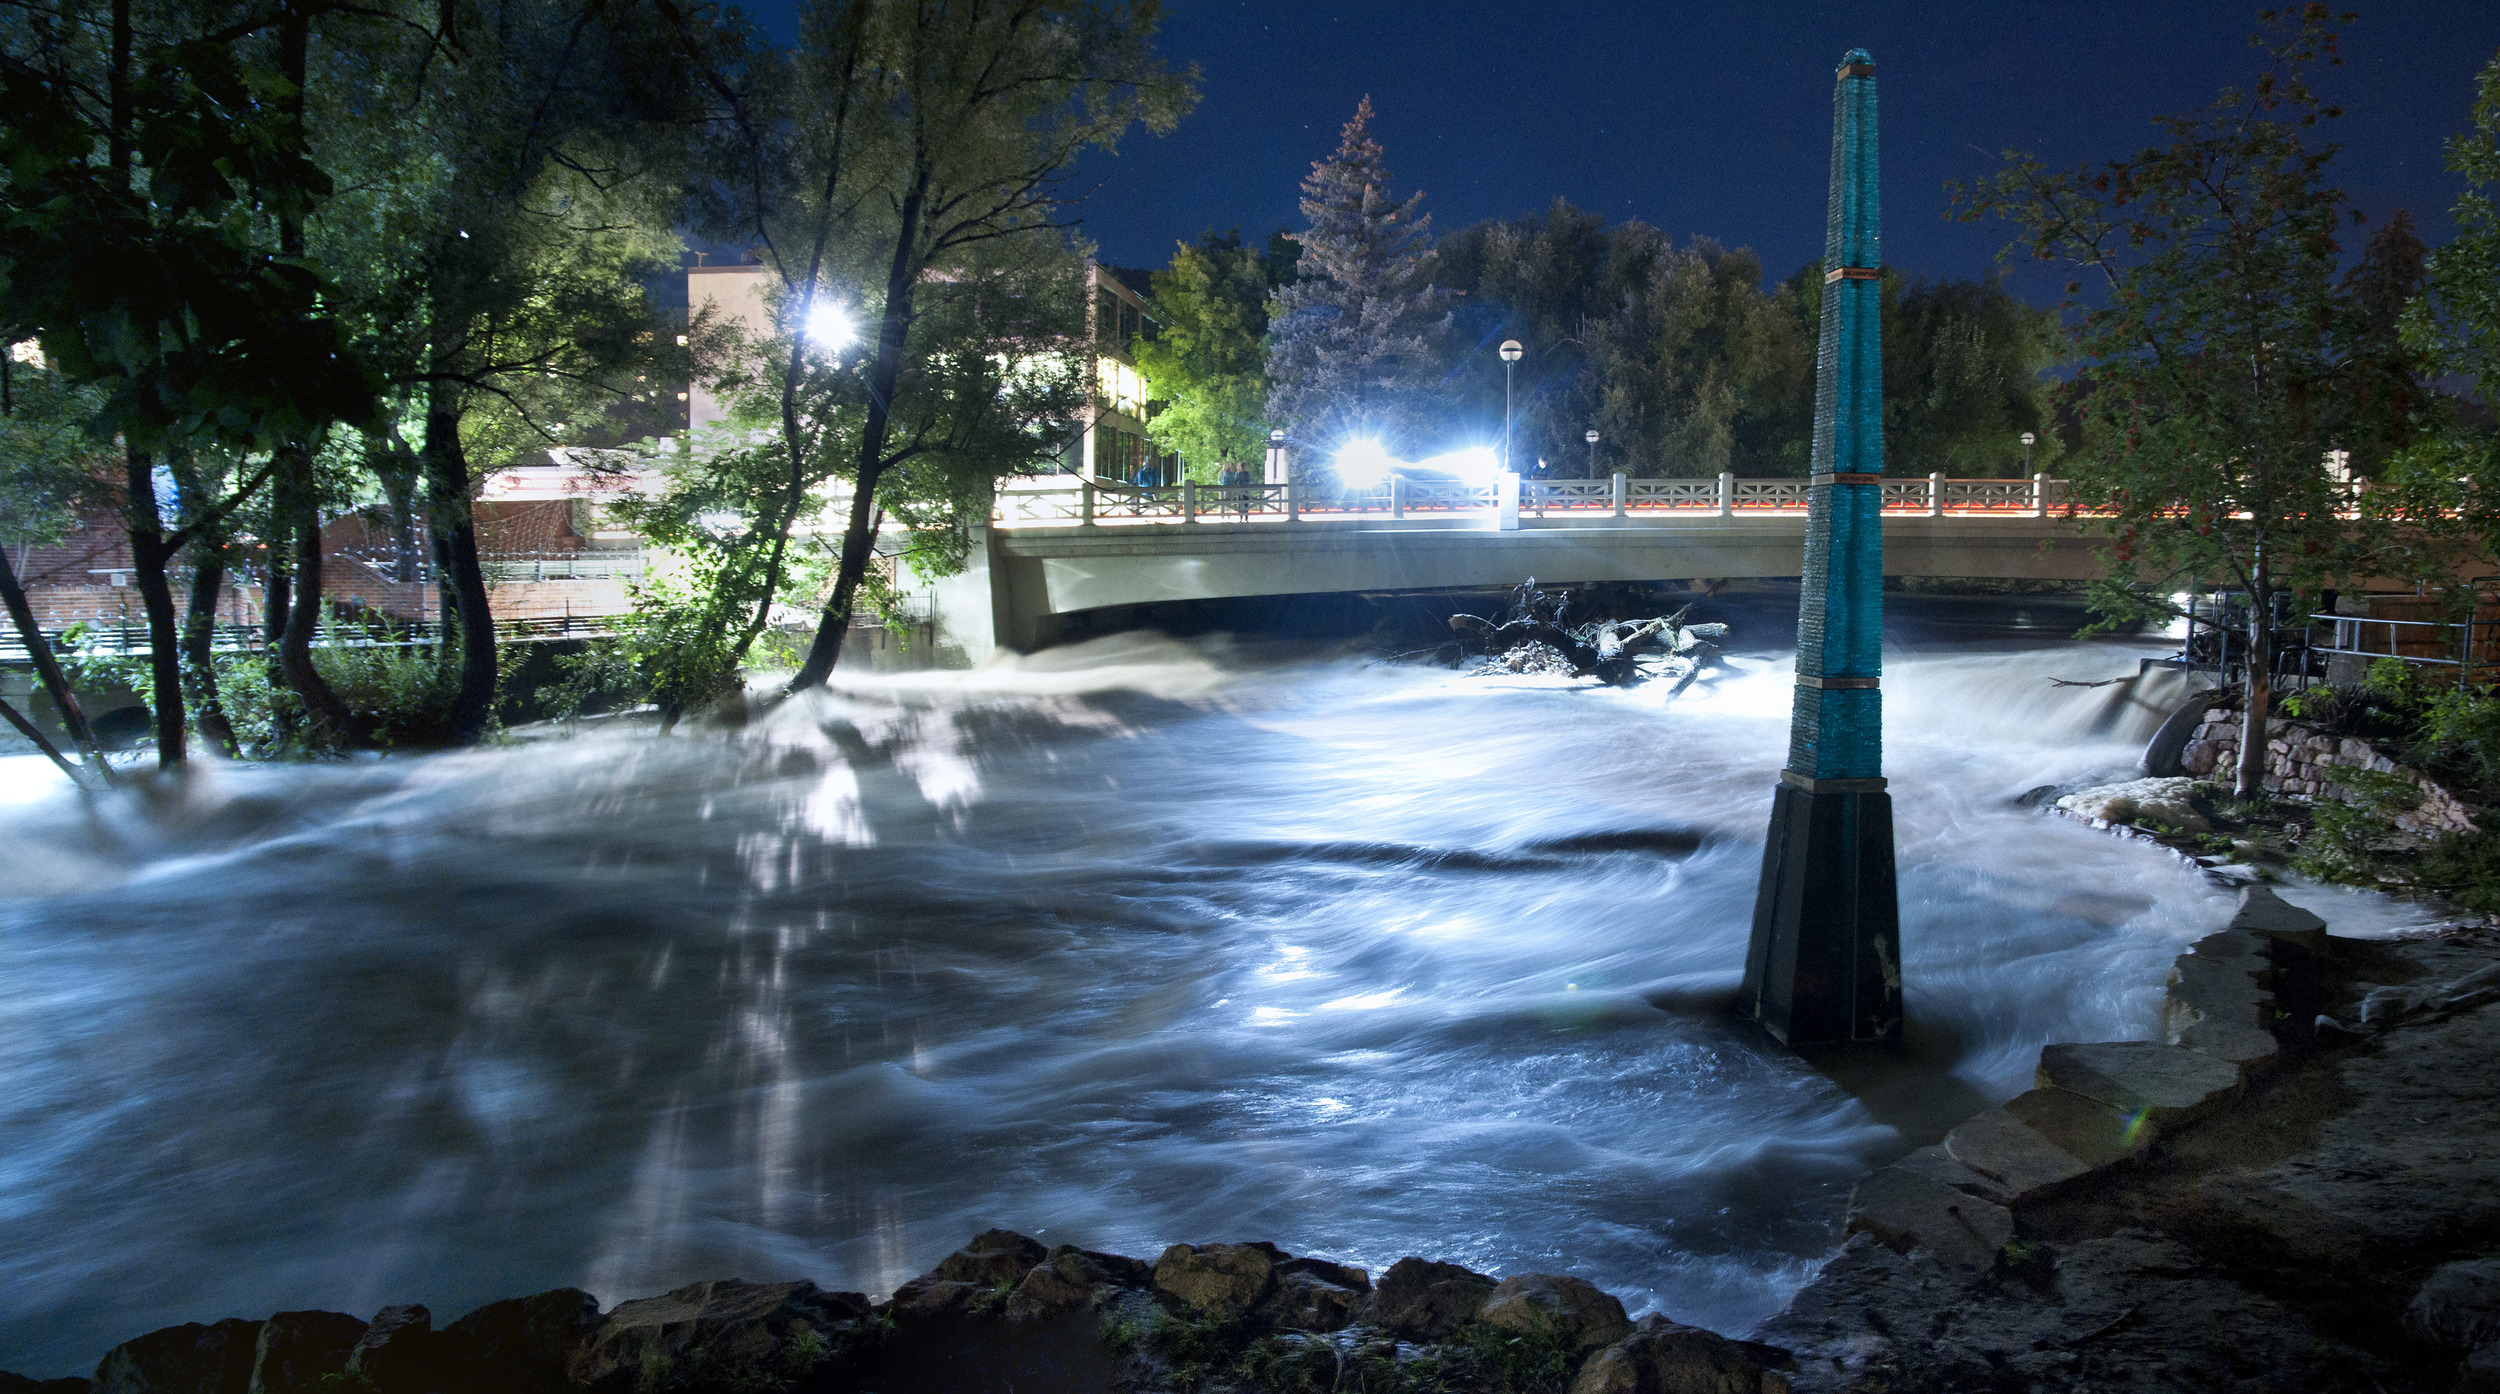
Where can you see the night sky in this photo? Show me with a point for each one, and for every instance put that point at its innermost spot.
(1716, 120)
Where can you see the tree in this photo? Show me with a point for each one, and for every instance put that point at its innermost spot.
(1206, 363)
(2448, 478)
(511, 184)
(1351, 343)
(2215, 356)
(1674, 354)
(1963, 365)
(49, 464)
(147, 163)
(972, 117)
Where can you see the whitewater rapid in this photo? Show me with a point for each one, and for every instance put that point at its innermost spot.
(1125, 944)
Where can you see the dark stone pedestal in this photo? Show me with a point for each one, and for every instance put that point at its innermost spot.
(1825, 965)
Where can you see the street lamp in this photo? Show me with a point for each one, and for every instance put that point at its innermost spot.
(1591, 438)
(1510, 359)
(2028, 438)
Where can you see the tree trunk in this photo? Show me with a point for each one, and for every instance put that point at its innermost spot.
(48, 668)
(859, 539)
(328, 716)
(464, 580)
(2259, 702)
(156, 594)
(199, 649)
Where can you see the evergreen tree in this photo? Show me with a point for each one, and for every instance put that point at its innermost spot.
(1351, 343)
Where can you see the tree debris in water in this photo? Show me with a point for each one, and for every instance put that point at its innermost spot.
(1536, 635)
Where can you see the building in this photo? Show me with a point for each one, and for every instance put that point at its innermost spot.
(1114, 445)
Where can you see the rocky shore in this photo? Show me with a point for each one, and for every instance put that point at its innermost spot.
(2297, 1188)
(1002, 1313)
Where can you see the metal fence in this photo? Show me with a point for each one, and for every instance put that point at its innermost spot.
(118, 641)
(1092, 503)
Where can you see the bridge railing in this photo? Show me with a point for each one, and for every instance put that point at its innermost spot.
(1101, 503)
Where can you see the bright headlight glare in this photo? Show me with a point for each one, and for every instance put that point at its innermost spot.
(1363, 462)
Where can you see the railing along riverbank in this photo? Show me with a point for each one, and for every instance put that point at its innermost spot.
(121, 640)
(1090, 504)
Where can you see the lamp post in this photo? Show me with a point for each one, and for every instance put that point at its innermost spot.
(1510, 360)
(1591, 438)
(2028, 438)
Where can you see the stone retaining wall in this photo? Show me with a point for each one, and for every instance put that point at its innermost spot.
(2302, 761)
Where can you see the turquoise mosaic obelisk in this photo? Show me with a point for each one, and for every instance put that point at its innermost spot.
(1825, 963)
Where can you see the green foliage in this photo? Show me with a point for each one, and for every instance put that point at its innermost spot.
(1206, 365)
(48, 459)
(2342, 829)
(2448, 480)
(1676, 355)
(1204, 1351)
(135, 238)
(2464, 867)
(1963, 378)
(2214, 347)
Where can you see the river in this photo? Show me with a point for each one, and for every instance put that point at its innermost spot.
(1128, 943)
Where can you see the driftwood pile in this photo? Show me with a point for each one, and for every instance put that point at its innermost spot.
(1536, 635)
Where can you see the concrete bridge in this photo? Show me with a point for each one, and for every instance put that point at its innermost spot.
(1052, 552)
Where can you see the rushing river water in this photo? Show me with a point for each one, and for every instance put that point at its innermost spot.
(1130, 943)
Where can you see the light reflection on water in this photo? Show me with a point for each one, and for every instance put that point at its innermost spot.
(1129, 944)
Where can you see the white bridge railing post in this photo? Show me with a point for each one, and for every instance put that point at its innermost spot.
(1085, 504)
(1189, 500)
(1935, 495)
(2039, 496)
(1727, 495)
(1622, 487)
(1397, 496)
(1293, 502)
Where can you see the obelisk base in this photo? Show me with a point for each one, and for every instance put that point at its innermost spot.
(1825, 964)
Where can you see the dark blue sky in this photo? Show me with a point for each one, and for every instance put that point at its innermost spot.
(1716, 119)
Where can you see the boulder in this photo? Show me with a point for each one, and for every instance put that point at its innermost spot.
(1072, 1278)
(1224, 1280)
(2264, 912)
(726, 1330)
(1663, 1357)
(1937, 1165)
(1420, 1300)
(396, 1353)
(1553, 1304)
(2458, 1308)
(2155, 1086)
(972, 1278)
(522, 1345)
(1309, 1302)
(2006, 1150)
(2162, 801)
(187, 1359)
(995, 1258)
(296, 1350)
(2092, 1133)
(1907, 1210)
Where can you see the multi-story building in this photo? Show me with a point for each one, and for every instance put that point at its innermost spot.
(1114, 445)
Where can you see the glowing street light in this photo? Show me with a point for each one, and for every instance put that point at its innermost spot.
(2028, 438)
(830, 325)
(1510, 360)
(1591, 438)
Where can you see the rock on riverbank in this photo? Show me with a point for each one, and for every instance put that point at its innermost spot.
(1001, 1313)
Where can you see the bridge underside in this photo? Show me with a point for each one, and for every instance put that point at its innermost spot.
(1022, 579)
